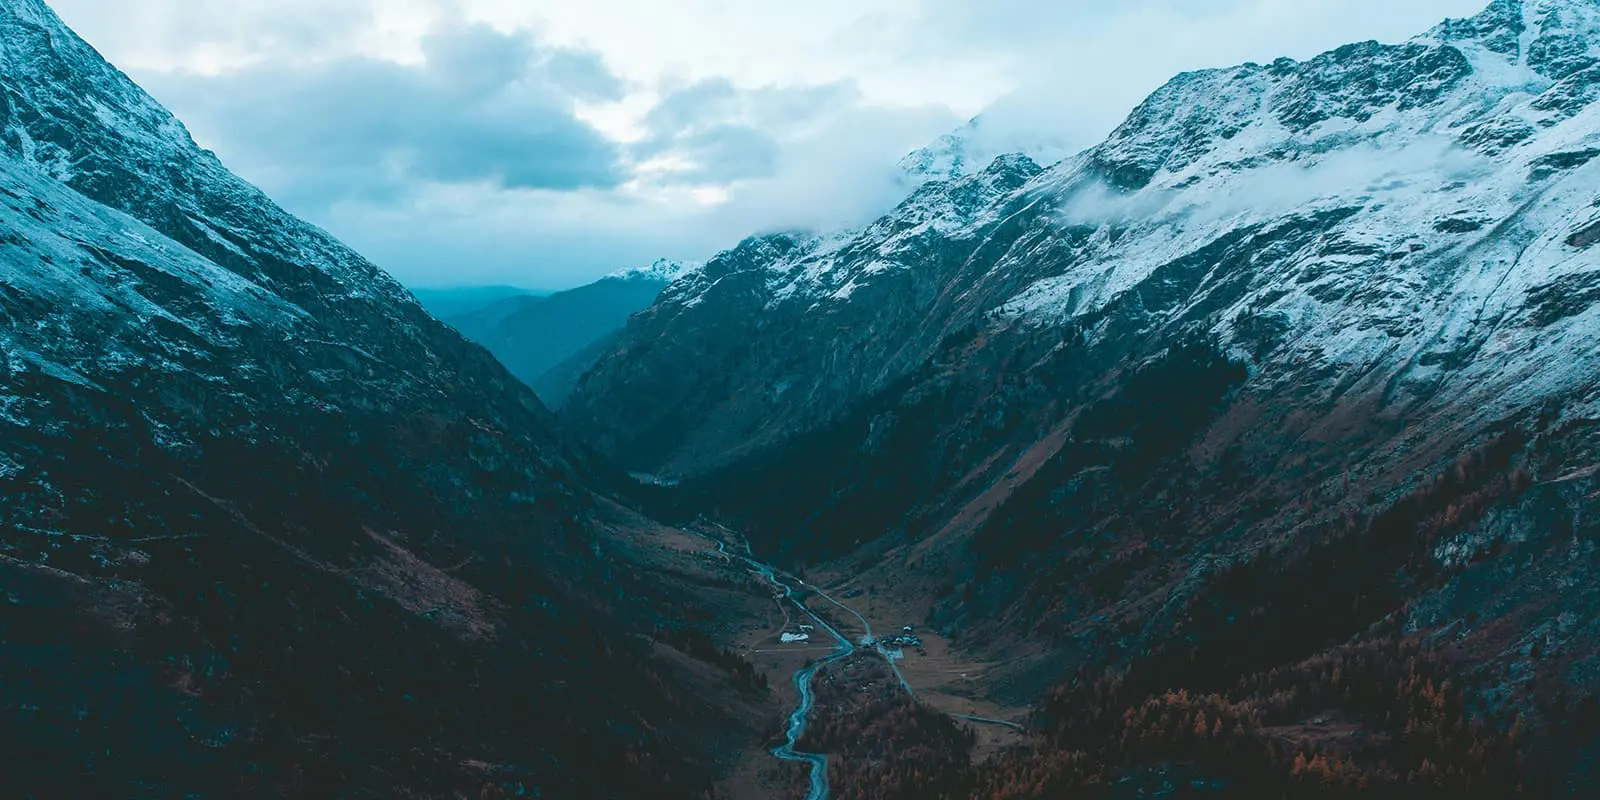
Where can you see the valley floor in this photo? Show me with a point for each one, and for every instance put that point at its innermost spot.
(754, 620)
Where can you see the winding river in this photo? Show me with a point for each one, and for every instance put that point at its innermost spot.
(818, 762)
(802, 679)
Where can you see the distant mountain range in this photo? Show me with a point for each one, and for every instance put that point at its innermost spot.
(445, 303)
(533, 335)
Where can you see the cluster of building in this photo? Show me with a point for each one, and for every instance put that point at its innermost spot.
(905, 638)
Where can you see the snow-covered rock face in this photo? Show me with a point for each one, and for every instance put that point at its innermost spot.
(1447, 174)
(1556, 38)
(78, 119)
(1424, 200)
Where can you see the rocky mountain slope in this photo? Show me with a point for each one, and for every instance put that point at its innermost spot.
(1431, 144)
(1302, 356)
(533, 335)
(783, 331)
(266, 527)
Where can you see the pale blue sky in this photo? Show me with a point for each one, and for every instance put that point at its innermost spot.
(545, 142)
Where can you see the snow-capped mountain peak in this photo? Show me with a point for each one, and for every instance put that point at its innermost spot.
(662, 269)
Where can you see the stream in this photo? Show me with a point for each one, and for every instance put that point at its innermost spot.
(802, 679)
(818, 762)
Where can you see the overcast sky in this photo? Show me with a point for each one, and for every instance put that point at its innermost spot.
(543, 143)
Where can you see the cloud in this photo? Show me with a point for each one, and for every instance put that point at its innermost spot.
(837, 169)
(468, 157)
(1079, 66)
(205, 36)
(545, 142)
(583, 74)
(481, 108)
(689, 106)
(1364, 172)
(712, 132)
(717, 155)
(474, 60)
(841, 173)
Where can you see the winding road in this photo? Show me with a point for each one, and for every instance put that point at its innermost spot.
(988, 721)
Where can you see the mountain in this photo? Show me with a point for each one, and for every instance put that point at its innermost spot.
(532, 335)
(445, 303)
(1291, 378)
(779, 333)
(267, 528)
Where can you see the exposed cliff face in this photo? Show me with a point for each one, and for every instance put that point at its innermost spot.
(1280, 305)
(266, 528)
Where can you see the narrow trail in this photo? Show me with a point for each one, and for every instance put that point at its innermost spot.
(988, 721)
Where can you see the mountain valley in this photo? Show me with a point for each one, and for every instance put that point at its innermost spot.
(1254, 451)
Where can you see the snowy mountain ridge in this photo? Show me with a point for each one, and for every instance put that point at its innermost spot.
(95, 130)
(1458, 188)
(1450, 172)
(1184, 168)
(109, 278)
